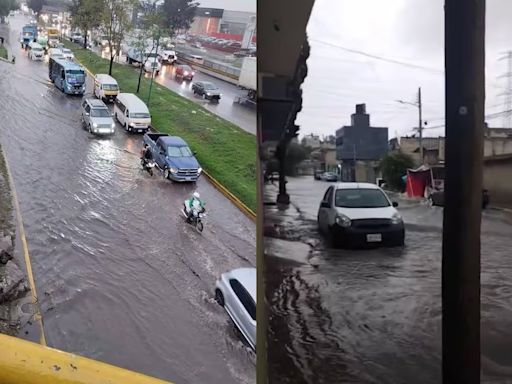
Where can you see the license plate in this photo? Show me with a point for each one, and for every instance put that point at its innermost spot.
(139, 130)
(188, 178)
(104, 130)
(374, 238)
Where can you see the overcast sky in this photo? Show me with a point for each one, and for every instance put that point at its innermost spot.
(230, 5)
(409, 31)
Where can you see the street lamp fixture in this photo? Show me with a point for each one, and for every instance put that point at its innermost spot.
(420, 123)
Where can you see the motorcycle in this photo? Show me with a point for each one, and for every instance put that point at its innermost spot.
(197, 217)
(148, 165)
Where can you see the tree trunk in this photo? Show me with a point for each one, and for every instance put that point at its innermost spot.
(110, 66)
(140, 76)
(85, 40)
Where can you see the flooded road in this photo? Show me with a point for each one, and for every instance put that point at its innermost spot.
(120, 277)
(374, 316)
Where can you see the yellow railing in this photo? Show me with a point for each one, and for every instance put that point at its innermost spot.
(29, 363)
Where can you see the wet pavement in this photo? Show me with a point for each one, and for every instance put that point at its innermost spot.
(373, 316)
(120, 277)
(227, 109)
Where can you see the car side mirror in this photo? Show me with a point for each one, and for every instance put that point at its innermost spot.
(325, 204)
(395, 204)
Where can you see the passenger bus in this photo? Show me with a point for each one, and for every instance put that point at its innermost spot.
(68, 76)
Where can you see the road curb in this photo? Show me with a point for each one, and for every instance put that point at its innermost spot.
(235, 200)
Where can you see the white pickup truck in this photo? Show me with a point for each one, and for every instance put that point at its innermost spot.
(149, 60)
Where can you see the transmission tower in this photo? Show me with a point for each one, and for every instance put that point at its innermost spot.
(507, 116)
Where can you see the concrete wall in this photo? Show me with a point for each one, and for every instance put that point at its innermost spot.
(498, 180)
(497, 146)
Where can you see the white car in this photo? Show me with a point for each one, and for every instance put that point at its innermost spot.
(168, 56)
(68, 54)
(152, 64)
(360, 214)
(236, 292)
(55, 53)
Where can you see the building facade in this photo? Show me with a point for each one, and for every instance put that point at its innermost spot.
(206, 21)
(360, 146)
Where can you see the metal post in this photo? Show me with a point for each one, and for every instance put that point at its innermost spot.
(153, 72)
(464, 103)
(420, 126)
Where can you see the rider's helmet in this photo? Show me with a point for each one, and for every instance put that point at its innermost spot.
(196, 195)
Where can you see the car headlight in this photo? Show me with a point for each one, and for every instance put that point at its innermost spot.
(343, 221)
(208, 94)
(199, 170)
(95, 125)
(174, 170)
(113, 125)
(396, 219)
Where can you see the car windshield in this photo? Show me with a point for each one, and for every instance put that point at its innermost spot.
(179, 152)
(209, 86)
(110, 87)
(75, 75)
(66, 51)
(186, 68)
(100, 112)
(361, 198)
(37, 49)
(139, 115)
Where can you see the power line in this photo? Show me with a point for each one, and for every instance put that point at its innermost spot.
(507, 118)
(381, 58)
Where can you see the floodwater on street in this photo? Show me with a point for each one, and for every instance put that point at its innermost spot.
(374, 316)
(120, 277)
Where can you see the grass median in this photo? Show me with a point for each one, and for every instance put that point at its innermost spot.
(224, 150)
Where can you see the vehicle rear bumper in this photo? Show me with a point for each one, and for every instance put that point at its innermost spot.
(393, 235)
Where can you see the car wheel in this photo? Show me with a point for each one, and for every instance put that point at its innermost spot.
(219, 297)
(90, 129)
(166, 173)
(204, 96)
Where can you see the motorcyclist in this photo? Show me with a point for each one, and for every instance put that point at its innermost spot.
(146, 154)
(196, 203)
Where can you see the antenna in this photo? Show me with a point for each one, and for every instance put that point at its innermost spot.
(507, 117)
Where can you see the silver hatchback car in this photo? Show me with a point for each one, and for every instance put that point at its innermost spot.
(236, 292)
(96, 117)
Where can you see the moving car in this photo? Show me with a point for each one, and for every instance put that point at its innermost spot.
(105, 87)
(329, 176)
(35, 51)
(173, 155)
(437, 198)
(360, 214)
(55, 53)
(68, 54)
(236, 292)
(96, 117)
(132, 113)
(207, 90)
(168, 56)
(75, 37)
(184, 72)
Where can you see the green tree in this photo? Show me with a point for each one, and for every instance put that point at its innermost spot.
(295, 154)
(115, 23)
(7, 6)
(393, 167)
(86, 15)
(36, 6)
(177, 15)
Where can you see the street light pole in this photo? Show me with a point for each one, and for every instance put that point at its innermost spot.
(420, 126)
(153, 69)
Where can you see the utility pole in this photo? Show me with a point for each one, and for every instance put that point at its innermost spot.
(464, 109)
(420, 126)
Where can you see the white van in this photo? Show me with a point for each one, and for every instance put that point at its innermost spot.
(132, 113)
(35, 51)
(105, 87)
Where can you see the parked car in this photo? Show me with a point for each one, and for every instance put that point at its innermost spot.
(96, 117)
(184, 72)
(360, 214)
(173, 156)
(75, 37)
(437, 198)
(235, 291)
(318, 174)
(207, 90)
(329, 176)
(68, 54)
